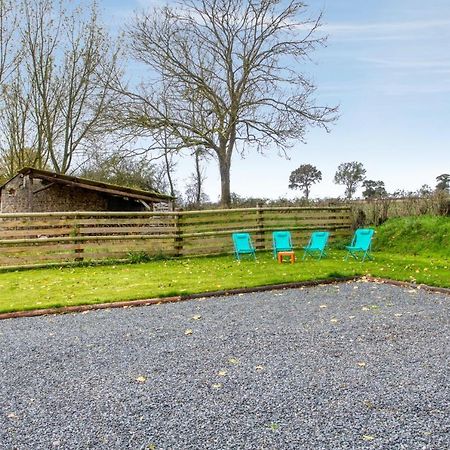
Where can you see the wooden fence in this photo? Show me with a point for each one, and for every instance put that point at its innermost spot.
(36, 239)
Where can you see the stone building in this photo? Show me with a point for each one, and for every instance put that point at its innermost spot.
(36, 190)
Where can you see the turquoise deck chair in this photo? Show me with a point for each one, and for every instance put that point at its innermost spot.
(281, 242)
(317, 244)
(243, 245)
(361, 243)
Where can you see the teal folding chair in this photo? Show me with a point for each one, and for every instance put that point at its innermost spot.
(317, 244)
(243, 245)
(281, 242)
(361, 243)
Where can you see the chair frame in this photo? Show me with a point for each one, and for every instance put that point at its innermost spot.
(310, 251)
(353, 248)
(238, 252)
(281, 249)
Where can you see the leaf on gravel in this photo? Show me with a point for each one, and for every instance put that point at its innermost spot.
(274, 426)
(322, 306)
(196, 317)
(259, 368)
(334, 320)
(351, 317)
(365, 308)
(368, 404)
(217, 385)
(233, 361)
(188, 332)
(361, 364)
(222, 372)
(141, 379)
(412, 291)
(368, 437)
(12, 415)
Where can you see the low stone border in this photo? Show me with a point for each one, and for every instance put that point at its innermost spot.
(407, 284)
(180, 298)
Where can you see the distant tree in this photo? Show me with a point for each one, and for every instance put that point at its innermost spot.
(443, 182)
(304, 177)
(350, 174)
(424, 191)
(373, 189)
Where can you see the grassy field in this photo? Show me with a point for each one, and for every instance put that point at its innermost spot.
(407, 260)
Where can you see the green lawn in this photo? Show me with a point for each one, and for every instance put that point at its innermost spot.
(44, 288)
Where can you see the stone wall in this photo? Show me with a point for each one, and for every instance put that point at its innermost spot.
(24, 194)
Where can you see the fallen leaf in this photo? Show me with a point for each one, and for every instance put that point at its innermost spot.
(223, 372)
(12, 415)
(334, 320)
(233, 361)
(398, 315)
(188, 332)
(351, 317)
(322, 306)
(368, 437)
(259, 368)
(361, 364)
(216, 385)
(141, 379)
(196, 317)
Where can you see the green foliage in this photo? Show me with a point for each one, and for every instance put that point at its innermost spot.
(374, 189)
(139, 257)
(138, 173)
(425, 235)
(304, 177)
(350, 174)
(443, 182)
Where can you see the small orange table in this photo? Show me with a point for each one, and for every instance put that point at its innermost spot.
(290, 255)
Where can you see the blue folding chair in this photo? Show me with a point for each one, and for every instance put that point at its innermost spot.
(317, 244)
(281, 242)
(243, 245)
(361, 243)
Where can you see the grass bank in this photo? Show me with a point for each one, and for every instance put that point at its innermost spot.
(425, 236)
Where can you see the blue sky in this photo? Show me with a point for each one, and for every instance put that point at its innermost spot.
(387, 64)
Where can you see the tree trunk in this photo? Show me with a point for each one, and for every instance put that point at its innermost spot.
(224, 167)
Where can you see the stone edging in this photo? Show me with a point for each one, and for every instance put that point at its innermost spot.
(180, 298)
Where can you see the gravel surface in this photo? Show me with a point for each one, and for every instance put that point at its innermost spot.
(350, 366)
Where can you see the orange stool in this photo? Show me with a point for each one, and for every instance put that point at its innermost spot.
(290, 255)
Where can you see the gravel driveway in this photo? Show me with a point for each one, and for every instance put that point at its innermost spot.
(350, 366)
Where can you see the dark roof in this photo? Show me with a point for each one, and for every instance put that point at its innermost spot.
(99, 186)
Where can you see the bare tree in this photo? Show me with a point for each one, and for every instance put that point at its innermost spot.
(18, 146)
(304, 177)
(195, 194)
(70, 62)
(350, 174)
(9, 47)
(235, 76)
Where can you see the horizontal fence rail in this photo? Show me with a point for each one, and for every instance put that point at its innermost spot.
(36, 239)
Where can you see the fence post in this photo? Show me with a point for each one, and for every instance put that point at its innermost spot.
(79, 249)
(178, 243)
(260, 241)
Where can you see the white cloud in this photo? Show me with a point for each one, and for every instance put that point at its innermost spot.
(384, 30)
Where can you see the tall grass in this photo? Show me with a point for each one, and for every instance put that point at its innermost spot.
(424, 235)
